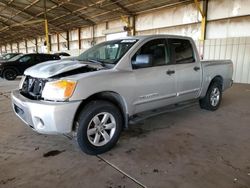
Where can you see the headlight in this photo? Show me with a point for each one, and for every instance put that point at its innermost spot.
(59, 90)
(21, 82)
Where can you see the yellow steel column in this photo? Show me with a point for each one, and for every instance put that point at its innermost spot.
(203, 12)
(46, 27)
(203, 27)
(128, 27)
(203, 21)
(47, 35)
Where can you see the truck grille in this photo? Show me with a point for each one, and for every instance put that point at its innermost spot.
(32, 88)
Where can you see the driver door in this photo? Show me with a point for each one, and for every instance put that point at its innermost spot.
(155, 83)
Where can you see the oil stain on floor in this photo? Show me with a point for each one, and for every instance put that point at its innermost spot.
(52, 153)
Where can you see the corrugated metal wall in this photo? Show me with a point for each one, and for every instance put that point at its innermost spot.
(237, 49)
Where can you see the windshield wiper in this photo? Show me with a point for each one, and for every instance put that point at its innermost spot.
(96, 61)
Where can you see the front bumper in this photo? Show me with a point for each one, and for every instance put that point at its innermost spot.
(43, 116)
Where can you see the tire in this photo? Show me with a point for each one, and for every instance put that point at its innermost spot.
(213, 97)
(9, 74)
(92, 120)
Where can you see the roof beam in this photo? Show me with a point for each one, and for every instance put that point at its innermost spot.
(72, 24)
(22, 32)
(19, 9)
(118, 8)
(96, 6)
(118, 4)
(2, 22)
(84, 17)
(24, 10)
(6, 18)
(26, 30)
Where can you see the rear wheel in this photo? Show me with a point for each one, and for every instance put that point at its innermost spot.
(100, 125)
(213, 97)
(9, 74)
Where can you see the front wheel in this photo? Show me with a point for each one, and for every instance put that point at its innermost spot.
(213, 97)
(100, 125)
(9, 74)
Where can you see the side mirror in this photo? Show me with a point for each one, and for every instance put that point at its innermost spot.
(143, 61)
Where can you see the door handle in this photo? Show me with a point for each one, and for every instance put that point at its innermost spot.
(169, 72)
(197, 68)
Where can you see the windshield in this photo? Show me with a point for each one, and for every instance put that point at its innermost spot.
(15, 57)
(8, 56)
(3, 55)
(107, 52)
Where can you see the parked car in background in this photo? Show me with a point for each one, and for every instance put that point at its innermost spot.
(115, 82)
(8, 56)
(10, 69)
(62, 54)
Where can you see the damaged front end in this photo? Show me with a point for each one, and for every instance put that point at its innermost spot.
(32, 88)
(34, 82)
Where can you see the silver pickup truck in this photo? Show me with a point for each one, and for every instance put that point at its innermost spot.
(98, 94)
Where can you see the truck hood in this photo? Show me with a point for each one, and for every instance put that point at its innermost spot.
(54, 68)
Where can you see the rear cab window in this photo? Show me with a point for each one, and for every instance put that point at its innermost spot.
(182, 51)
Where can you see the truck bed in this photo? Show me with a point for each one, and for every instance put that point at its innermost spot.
(213, 68)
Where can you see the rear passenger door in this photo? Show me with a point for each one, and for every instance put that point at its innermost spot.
(188, 69)
(155, 82)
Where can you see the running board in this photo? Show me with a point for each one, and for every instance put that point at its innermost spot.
(171, 108)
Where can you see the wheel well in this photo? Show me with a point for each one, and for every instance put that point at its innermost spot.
(218, 79)
(13, 68)
(109, 96)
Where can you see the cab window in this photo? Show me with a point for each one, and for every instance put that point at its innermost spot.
(25, 59)
(182, 51)
(153, 53)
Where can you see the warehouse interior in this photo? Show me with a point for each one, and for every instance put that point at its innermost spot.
(75, 26)
(186, 148)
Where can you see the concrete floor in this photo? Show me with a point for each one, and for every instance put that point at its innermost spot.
(191, 148)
